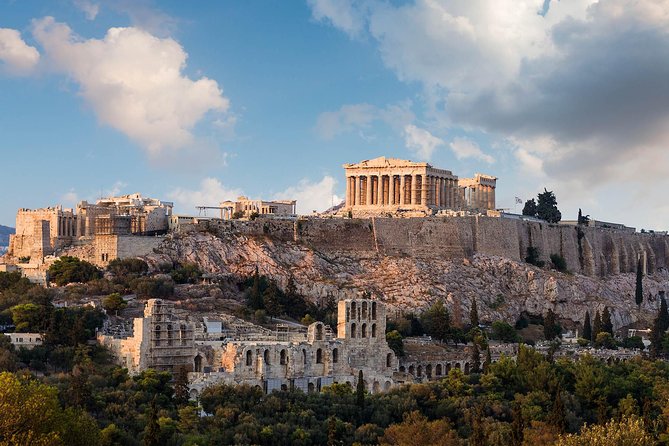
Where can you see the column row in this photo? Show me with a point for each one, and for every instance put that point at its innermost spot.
(397, 190)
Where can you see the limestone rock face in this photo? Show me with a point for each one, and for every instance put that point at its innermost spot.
(503, 287)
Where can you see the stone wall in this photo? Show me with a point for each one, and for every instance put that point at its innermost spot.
(590, 251)
(110, 247)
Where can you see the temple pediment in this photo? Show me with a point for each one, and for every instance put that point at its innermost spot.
(382, 161)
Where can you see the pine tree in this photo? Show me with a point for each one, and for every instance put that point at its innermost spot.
(517, 425)
(478, 436)
(580, 216)
(488, 359)
(557, 417)
(255, 297)
(607, 325)
(181, 385)
(596, 326)
(474, 315)
(547, 207)
(663, 315)
(530, 208)
(152, 430)
(587, 328)
(639, 284)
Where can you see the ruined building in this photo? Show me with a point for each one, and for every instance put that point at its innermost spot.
(389, 185)
(245, 207)
(307, 361)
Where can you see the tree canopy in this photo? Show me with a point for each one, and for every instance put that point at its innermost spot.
(547, 207)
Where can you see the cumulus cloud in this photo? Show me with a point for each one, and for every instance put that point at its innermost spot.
(312, 196)
(587, 81)
(90, 9)
(16, 56)
(352, 117)
(210, 193)
(346, 15)
(134, 83)
(466, 148)
(421, 142)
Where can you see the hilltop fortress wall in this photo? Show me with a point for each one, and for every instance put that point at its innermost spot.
(590, 251)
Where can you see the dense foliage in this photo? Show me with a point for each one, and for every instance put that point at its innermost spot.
(69, 269)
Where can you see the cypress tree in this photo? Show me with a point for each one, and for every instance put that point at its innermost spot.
(488, 359)
(152, 430)
(474, 315)
(587, 327)
(476, 358)
(639, 284)
(556, 417)
(596, 326)
(663, 315)
(517, 425)
(607, 325)
(551, 328)
(656, 335)
(360, 392)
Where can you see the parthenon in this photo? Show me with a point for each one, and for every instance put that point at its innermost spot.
(390, 184)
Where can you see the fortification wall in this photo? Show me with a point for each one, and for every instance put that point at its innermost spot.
(590, 251)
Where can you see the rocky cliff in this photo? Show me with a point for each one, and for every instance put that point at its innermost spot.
(412, 262)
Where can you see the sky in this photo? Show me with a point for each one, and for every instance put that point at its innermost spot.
(199, 102)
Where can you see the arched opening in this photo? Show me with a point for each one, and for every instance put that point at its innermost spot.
(193, 394)
(310, 388)
(448, 367)
(364, 309)
(354, 310)
(466, 368)
(389, 360)
(156, 335)
(428, 371)
(304, 356)
(249, 357)
(411, 370)
(457, 365)
(282, 357)
(182, 334)
(319, 332)
(169, 335)
(284, 388)
(198, 363)
(353, 330)
(402, 369)
(437, 370)
(376, 387)
(364, 331)
(319, 356)
(335, 355)
(266, 356)
(419, 371)
(373, 310)
(386, 386)
(373, 330)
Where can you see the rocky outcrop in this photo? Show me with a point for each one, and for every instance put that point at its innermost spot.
(504, 287)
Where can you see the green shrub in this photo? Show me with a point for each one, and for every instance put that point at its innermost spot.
(533, 257)
(559, 263)
(71, 270)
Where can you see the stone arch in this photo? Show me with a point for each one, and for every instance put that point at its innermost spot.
(197, 362)
(249, 357)
(311, 388)
(419, 371)
(319, 356)
(412, 370)
(193, 394)
(319, 332)
(335, 355)
(386, 386)
(437, 370)
(282, 357)
(364, 309)
(156, 335)
(354, 314)
(373, 330)
(266, 356)
(376, 387)
(353, 330)
(363, 332)
(466, 368)
(284, 388)
(304, 356)
(448, 367)
(402, 369)
(373, 310)
(389, 360)
(428, 371)
(457, 365)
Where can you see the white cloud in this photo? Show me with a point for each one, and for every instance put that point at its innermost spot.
(352, 117)
(210, 193)
(343, 14)
(421, 142)
(17, 56)
(90, 9)
(134, 83)
(312, 196)
(70, 198)
(466, 148)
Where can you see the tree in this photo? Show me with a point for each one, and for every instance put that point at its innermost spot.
(628, 431)
(488, 359)
(127, 268)
(360, 392)
(638, 295)
(474, 315)
(663, 315)
(656, 337)
(395, 342)
(416, 430)
(552, 329)
(587, 328)
(114, 303)
(69, 269)
(605, 340)
(596, 326)
(152, 430)
(504, 332)
(547, 207)
(559, 262)
(517, 425)
(181, 385)
(476, 358)
(583, 220)
(255, 297)
(530, 208)
(186, 273)
(436, 321)
(557, 415)
(271, 300)
(607, 325)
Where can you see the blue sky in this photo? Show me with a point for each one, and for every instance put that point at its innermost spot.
(197, 102)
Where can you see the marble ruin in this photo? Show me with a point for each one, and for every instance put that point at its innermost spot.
(389, 185)
(245, 207)
(272, 360)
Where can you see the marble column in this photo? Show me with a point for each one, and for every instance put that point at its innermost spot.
(358, 190)
(391, 189)
(402, 187)
(368, 190)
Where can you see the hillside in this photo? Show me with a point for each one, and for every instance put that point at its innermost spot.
(504, 287)
(5, 232)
